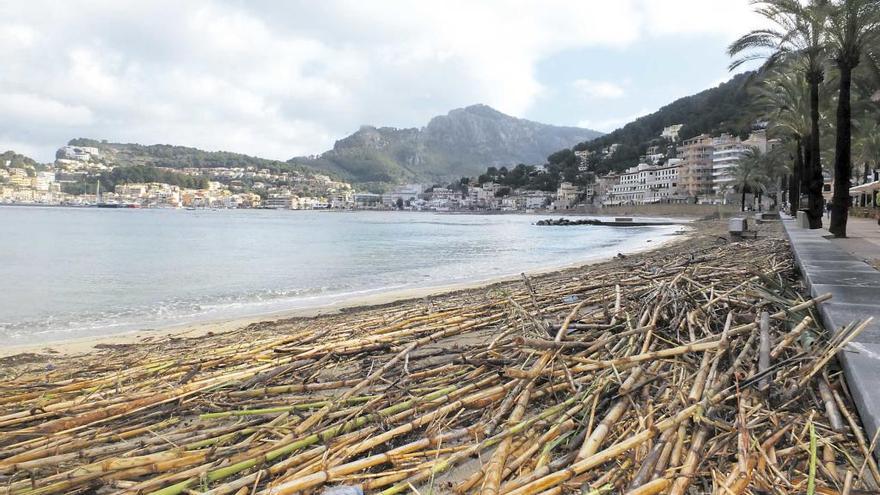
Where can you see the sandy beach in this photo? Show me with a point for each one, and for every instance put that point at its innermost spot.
(506, 383)
(156, 336)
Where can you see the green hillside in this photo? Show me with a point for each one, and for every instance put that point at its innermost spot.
(169, 156)
(726, 108)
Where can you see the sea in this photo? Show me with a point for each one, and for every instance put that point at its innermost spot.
(69, 273)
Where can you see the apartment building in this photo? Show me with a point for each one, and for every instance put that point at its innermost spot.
(696, 156)
(728, 151)
(566, 196)
(647, 183)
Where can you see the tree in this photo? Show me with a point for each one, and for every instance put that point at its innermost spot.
(758, 173)
(798, 38)
(747, 174)
(783, 97)
(399, 203)
(866, 144)
(774, 171)
(854, 25)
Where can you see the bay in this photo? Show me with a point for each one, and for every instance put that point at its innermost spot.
(82, 272)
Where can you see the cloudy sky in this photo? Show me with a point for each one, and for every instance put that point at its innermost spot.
(280, 79)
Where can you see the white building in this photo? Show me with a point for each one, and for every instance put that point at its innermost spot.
(79, 153)
(671, 132)
(728, 150)
(406, 193)
(567, 196)
(645, 183)
(535, 200)
(278, 202)
(44, 180)
(342, 200)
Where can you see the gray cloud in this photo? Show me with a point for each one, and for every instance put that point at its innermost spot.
(278, 79)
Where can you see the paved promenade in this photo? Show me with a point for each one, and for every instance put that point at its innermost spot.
(841, 267)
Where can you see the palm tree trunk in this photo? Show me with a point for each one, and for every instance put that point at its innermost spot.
(805, 170)
(842, 154)
(814, 172)
(794, 186)
(743, 202)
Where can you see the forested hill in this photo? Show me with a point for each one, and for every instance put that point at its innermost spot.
(166, 155)
(14, 160)
(725, 108)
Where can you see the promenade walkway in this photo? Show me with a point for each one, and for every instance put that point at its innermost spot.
(863, 241)
(841, 267)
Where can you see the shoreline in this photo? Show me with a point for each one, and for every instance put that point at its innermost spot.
(83, 345)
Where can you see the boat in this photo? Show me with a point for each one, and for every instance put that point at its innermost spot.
(99, 200)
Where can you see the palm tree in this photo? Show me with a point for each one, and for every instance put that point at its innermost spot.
(774, 170)
(749, 173)
(798, 37)
(866, 143)
(783, 97)
(854, 25)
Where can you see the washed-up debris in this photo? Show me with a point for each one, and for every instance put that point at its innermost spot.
(681, 371)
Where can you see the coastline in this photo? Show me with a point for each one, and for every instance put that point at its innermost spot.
(83, 345)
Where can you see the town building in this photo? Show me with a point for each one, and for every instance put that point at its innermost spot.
(535, 200)
(727, 152)
(44, 181)
(671, 132)
(278, 202)
(567, 196)
(646, 183)
(79, 153)
(696, 156)
(367, 200)
(406, 194)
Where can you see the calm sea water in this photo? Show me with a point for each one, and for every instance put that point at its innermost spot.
(67, 273)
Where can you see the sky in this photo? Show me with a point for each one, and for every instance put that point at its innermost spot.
(283, 79)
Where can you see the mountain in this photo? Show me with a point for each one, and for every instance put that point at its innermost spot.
(725, 108)
(461, 143)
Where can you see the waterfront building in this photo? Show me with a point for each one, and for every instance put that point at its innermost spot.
(567, 196)
(604, 186)
(278, 202)
(44, 181)
(534, 200)
(367, 200)
(341, 200)
(696, 156)
(483, 196)
(727, 152)
(405, 193)
(646, 183)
